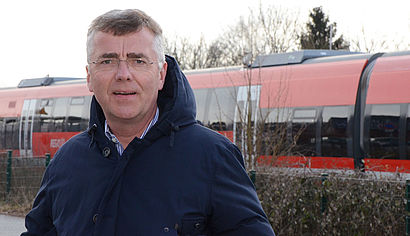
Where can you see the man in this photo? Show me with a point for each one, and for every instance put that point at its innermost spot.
(144, 167)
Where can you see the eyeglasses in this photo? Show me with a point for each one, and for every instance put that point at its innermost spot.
(111, 64)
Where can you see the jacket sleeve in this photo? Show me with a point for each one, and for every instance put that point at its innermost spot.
(236, 209)
(39, 220)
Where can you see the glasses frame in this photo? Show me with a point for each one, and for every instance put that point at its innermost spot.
(101, 66)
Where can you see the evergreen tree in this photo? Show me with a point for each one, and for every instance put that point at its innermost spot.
(318, 33)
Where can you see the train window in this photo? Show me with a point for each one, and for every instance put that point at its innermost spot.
(15, 137)
(59, 113)
(304, 132)
(87, 104)
(273, 122)
(384, 131)
(304, 114)
(2, 134)
(272, 131)
(200, 99)
(47, 103)
(275, 115)
(43, 121)
(222, 108)
(408, 133)
(12, 133)
(77, 101)
(334, 131)
(76, 121)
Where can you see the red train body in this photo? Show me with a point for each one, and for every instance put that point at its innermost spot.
(354, 108)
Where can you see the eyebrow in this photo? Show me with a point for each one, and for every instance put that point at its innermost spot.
(110, 55)
(129, 55)
(136, 55)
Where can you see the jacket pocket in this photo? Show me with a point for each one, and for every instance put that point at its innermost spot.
(192, 226)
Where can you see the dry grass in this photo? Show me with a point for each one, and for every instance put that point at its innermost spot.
(26, 175)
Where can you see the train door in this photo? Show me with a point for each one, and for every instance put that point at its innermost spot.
(247, 103)
(26, 128)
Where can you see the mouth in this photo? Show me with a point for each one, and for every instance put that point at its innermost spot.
(124, 93)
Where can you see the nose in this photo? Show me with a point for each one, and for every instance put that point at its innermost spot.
(123, 72)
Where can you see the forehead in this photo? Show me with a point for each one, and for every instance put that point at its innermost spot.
(140, 42)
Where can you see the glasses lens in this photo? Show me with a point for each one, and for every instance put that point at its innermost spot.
(138, 63)
(106, 63)
(111, 64)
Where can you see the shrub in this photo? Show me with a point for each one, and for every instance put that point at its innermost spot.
(346, 203)
(296, 201)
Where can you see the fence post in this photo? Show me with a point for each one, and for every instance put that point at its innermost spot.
(407, 207)
(8, 171)
(323, 201)
(47, 159)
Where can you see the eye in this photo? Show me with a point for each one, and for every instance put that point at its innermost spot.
(106, 61)
(140, 61)
(137, 61)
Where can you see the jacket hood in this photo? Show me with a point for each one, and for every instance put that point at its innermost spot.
(176, 104)
(176, 100)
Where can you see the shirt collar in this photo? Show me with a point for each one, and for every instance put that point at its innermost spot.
(114, 139)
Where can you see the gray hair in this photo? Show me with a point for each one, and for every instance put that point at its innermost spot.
(122, 22)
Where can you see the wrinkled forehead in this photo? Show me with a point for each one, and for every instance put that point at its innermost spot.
(136, 44)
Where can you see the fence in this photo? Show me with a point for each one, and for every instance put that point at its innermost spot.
(20, 180)
(296, 202)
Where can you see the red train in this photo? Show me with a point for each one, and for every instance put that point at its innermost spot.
(347, 110)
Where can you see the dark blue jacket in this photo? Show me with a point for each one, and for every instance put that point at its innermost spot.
(181, 178)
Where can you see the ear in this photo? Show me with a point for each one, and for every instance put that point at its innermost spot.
(89, 83)
(162, 74)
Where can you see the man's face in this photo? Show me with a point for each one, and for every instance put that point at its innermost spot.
(129, 91)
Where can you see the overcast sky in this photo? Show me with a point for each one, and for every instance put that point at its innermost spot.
(47, 37)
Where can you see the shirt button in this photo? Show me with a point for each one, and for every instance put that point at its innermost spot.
(95, 218)
(197, 225)
(166, 229)
(106, 152)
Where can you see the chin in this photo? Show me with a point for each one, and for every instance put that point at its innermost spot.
(126, 116)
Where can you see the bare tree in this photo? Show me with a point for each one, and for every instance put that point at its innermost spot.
(190, 55)
(363, 43)
(265, 30)
(280, 28)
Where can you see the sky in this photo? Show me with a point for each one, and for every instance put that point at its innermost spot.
(47, 37)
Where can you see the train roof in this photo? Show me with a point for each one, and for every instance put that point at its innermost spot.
(290, 58)
(297, 57)
(47, 81)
